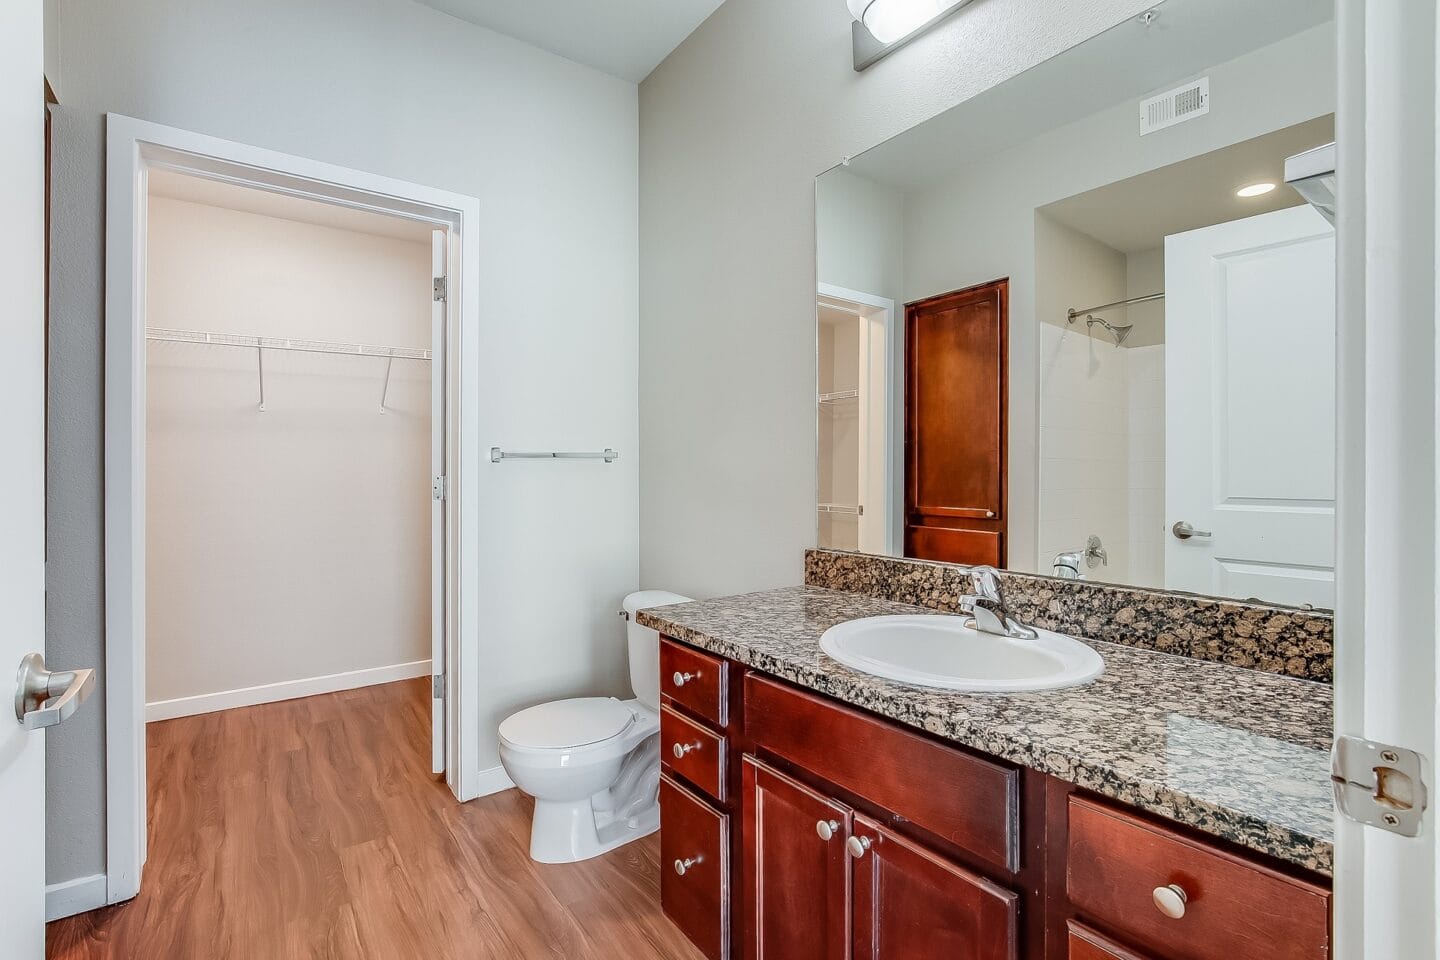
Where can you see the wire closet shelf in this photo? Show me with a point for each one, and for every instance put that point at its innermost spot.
(260, 344)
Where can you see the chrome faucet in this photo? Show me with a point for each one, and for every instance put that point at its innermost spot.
(988, 607)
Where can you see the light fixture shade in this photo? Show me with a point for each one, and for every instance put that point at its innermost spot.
(891, 20)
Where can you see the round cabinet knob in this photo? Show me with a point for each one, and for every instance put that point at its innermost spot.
(1170, 900)
(682, 678)
(857, 846)
(826, 829)
(680, 749)
(681, 866)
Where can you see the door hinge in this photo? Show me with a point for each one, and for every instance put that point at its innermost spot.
(437, 686)
(437, 488)
(1379, 785)
(441, 288)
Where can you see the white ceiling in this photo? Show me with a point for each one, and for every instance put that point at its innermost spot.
(214, 193)
(624, 38)
(1140, 212)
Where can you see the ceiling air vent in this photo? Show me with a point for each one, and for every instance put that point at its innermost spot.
(1175, 106)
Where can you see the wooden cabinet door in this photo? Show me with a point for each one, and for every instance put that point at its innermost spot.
(796, 883)
(956, 424)
(910, 902)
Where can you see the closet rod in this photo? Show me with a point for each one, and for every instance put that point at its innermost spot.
(287, 343)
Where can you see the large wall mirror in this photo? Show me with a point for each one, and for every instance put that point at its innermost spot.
(1081, 325)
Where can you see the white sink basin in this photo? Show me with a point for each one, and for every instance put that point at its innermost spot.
(943, 651)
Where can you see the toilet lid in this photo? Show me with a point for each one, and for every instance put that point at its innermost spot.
(567, 723)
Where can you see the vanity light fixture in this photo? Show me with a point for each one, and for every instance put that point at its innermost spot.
(1255, 189)
(883, 26)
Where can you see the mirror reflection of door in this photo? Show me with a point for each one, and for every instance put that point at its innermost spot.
(955, 425)
(1250, 409)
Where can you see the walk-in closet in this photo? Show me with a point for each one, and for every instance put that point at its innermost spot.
(288, 447)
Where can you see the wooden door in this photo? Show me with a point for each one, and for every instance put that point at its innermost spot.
(956, 421)
(797, 882)
(911, 902)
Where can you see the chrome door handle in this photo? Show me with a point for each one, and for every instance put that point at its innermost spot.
(44, 698)
(1183, 531)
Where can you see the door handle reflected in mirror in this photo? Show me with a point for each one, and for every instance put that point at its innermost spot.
(44, 698)
(1183, 531)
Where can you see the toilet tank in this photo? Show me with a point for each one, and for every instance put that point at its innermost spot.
(645, 645)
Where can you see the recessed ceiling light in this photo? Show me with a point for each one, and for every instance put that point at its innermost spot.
(1255, 189)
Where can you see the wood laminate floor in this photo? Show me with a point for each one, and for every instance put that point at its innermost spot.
(313, 829)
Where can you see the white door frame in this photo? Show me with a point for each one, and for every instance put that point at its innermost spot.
(134, 147)
(882, 402)
(1387, 568)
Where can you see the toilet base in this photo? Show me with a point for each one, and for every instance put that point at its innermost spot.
(570, 831)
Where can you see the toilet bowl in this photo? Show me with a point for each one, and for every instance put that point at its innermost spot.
(593, 763)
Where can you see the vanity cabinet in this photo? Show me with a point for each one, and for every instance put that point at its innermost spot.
(794, 826)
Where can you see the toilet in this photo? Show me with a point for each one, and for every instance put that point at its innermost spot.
(593, 763)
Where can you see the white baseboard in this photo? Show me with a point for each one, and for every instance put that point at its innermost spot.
(286, 690)
(74, 896)
(491, 781)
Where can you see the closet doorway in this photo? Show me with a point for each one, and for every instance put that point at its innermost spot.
(285, 402)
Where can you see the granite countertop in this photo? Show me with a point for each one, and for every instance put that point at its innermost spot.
(1238, 753)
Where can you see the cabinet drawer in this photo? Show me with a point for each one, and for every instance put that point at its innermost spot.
(970, 802)
(695, 869)
(1120, 867)
(1086, 944)
(695, 680)
(693, 752)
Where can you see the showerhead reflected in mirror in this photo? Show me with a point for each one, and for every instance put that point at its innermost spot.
(1062, 320)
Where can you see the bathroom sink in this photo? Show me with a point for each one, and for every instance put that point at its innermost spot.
(946, 652)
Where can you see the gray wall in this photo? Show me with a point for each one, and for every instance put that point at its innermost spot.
(395, 88)
(734, 127)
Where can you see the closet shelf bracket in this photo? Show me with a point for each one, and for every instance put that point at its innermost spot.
(385, 390)
(260, 365)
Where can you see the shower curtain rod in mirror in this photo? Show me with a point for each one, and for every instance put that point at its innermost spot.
(1074, 314)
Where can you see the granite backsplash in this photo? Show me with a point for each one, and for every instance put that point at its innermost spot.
(1284, 640)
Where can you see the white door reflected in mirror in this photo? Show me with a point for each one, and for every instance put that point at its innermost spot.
(1250, 409)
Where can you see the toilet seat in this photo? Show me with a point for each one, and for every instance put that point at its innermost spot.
(567, 724)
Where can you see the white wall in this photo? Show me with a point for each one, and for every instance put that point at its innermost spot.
(293, 543)
(1145, 438)
(859, 234)
(735, 125)
(1144, 275)
(1083, 402)
(395, 88)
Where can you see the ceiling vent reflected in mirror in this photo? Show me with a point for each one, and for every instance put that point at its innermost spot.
(1175, 106)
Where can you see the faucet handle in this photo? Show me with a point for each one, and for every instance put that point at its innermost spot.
(986, 580)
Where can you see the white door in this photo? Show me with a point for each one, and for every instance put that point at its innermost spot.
(22, 471)
(1250, 409)
(438, 496)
